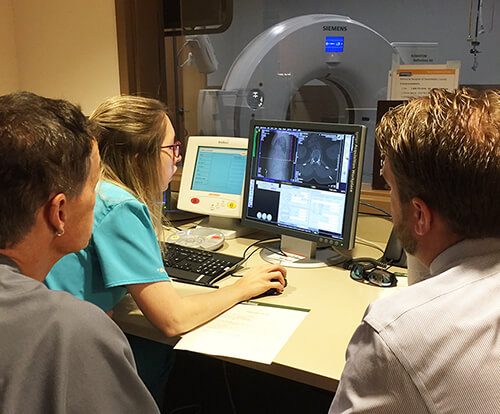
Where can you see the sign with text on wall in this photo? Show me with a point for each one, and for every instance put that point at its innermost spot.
(412, 81)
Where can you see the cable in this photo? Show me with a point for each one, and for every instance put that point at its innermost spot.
(245, 258)
(469, 38)
(259, 242)
(341, 253)
(169, 224)
(376, 208)
(369, 243)
(473, 39)
(187, 218)
(189, 58)
(187, 61)
(278, 251)
(281, 252)
(479, 5)
(371, 260)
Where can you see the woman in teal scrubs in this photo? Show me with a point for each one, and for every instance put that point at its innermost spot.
(139, 157)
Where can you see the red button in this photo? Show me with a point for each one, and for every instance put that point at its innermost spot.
(195, 200)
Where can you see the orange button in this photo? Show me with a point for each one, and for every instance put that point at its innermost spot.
(195, 200)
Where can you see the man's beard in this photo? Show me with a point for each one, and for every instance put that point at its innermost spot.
(408, 241)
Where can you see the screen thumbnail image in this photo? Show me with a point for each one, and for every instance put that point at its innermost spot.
(319, 160)
(277, 155)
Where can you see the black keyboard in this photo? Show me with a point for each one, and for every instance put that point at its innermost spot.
(196, 266)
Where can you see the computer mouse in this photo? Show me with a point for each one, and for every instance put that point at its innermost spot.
(273, 291)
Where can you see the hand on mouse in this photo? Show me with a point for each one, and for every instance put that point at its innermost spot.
(262, 278)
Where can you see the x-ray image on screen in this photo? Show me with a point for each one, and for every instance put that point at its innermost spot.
(277, 155)
(319, 160)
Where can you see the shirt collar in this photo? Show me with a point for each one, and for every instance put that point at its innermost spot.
(459, 251)
(6, 260)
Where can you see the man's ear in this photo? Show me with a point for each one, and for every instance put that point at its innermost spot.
(422, 216)
(57, 213)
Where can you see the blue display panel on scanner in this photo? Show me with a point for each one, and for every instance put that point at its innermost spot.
(334, 44)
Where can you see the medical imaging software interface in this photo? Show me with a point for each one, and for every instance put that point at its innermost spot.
(299, 179)
(219, 170)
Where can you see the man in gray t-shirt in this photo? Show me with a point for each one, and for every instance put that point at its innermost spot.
(58, 354)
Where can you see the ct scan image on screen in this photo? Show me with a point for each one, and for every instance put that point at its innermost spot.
(303, 180)
(277, 155)
(319, 160)
(309, 158)
(313, 162)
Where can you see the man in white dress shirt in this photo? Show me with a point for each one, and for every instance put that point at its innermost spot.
(434, 347)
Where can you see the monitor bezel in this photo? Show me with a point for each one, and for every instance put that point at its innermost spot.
(354, 181)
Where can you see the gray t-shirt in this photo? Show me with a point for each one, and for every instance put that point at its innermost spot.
(59, 354)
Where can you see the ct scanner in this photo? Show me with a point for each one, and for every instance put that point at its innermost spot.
(350, 58)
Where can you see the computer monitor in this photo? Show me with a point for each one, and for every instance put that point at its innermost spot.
(212, 181)
(303, 182)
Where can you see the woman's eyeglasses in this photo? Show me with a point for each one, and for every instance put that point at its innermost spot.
(175, 147)
(372, 273)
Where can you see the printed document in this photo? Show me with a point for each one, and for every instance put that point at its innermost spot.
(412, 81)
(252, 331)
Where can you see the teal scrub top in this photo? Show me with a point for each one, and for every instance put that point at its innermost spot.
(123, 250)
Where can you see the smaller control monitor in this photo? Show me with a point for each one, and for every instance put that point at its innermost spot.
(303, 182)
(213, 173)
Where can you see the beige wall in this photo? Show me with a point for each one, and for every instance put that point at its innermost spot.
(63, 49)
(9, 78)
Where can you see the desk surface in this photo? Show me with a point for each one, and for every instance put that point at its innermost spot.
(315, 353)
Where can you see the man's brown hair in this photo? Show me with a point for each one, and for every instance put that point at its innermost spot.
(444, 148)
(45, 149)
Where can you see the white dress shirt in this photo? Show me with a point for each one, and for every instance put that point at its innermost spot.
(433, 347)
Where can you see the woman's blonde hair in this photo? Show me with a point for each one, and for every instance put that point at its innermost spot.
(132, 129)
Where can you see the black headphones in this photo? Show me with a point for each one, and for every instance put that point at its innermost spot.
(371, 270)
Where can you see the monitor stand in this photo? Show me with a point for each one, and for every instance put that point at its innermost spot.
(231, 228)
(302, 253)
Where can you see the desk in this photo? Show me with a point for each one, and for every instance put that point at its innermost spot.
(315, 354)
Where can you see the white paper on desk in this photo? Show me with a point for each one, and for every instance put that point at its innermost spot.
(250, 331)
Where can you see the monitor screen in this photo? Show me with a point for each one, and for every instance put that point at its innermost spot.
(303, 180)
(219, 170)
(213, 173)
